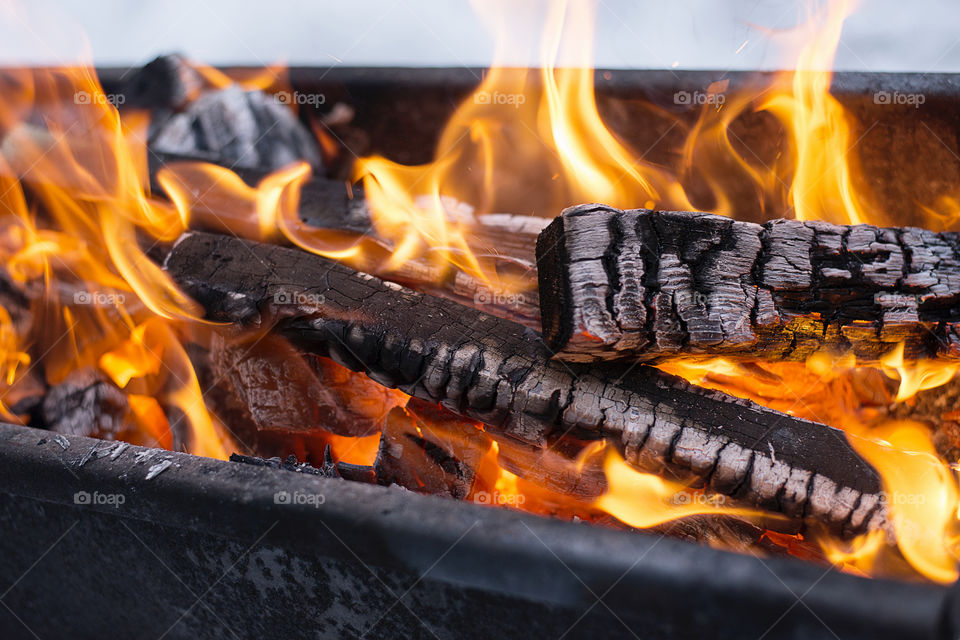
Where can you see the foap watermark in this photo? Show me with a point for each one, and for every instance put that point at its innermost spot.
(897, 98)
(301, 298)
(496, 97)
(499, 499)
(99, 499)
(299, 498)
(698, 98)
(97, 97)
(500, 298)
(98, 298)
(896, 498)
(698, 498)
(685, 298)
(299, 97)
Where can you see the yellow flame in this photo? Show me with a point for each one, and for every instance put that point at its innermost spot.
(645, 500)
(859, 555)
(921, 496)
(104, 303)
(212, 197)
(916, 376)
(822, 187)
(525, 142)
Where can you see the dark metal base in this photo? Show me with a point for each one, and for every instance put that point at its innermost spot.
(207, 549)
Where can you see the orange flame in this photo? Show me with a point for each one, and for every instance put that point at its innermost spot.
(523, 142)
(921, 496)
(822, 187)
(644, 500)
(102, 303)
(916, 376)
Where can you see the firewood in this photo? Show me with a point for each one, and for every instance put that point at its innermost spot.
(646, 284)
(167, 82)
(285, 390)
(246, 128)
(503, 242)
(437, 457)
(500, 373)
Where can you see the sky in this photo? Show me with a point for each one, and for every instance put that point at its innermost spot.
(882, 35)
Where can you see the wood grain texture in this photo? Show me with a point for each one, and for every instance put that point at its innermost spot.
(643, 285)
(502, 374)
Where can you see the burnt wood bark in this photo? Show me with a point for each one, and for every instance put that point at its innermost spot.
(500, 373)
(646, 284)
(504, 242)
(85, 404)
(437, 457)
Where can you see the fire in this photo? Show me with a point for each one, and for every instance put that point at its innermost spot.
(644, 500)
(921, 494)
(213, 197)
(97, 300)
(822, 187)
(916, 376)
(525, 142)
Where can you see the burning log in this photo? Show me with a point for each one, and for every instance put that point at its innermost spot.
(438, 457)
(284, 390)
(646, 284)
(504, 242)
(502, 374)
(85, 404)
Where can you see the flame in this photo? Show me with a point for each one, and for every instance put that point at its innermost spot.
(916, 376)
(920, 489)
(97, 300)
(266, 78)
(213, 197)
(525, 142)
(921, 495)
(542, 125)
(822, 187)
(644, 500)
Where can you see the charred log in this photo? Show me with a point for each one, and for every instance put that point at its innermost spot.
(284, 390)
(165, 84)
(502, 374)
(646, 284)
(244, 128)
(438, 457)
(504, 243)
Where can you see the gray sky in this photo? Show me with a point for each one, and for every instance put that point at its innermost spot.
(883, 35)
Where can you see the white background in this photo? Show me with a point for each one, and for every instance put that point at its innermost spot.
(883, 35)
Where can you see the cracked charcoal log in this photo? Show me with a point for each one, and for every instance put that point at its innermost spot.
(646, 284)
(167, 82)
(500, 373)
(555, 468)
